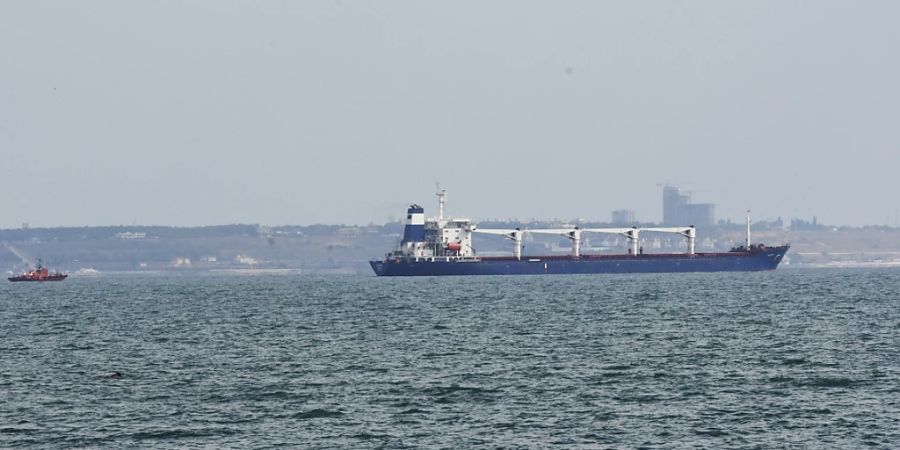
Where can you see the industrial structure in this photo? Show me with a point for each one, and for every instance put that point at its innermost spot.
(678, 208)
(623, 217)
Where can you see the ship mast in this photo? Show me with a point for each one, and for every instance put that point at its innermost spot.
(442, 199)
(748, 230)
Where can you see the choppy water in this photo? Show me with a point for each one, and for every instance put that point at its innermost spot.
(789, 358)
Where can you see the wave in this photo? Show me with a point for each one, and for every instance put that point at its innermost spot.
(829, 382)
(181, 433)
(318, 414)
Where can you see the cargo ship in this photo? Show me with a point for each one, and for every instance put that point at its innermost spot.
(39, 273)
(443, 246)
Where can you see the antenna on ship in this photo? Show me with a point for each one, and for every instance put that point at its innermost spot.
(748, 230)
(442, 198)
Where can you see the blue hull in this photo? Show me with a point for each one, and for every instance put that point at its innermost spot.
(767, 259)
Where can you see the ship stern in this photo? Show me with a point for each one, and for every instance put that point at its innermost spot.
(377, 267)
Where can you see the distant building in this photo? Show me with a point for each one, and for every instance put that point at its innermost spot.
(806, 225)
(678, 209)
(128, 235)
(246, 260)
(182, 262)
(623, 217)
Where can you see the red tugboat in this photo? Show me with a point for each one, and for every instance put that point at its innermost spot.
(40, 273)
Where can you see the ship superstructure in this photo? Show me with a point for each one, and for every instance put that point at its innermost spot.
(443, 246)
(437, 237)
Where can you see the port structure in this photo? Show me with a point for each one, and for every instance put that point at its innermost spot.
(574, 234)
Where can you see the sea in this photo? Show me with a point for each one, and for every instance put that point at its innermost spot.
(787, 359)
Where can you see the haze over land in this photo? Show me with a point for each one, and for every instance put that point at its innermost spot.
(214, 112)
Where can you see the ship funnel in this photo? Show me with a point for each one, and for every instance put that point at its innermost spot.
(415, 224)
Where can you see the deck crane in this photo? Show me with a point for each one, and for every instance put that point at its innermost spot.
(574, 234)
(515, 235)
(688, 232)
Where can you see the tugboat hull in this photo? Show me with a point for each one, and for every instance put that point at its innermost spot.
(48, 278)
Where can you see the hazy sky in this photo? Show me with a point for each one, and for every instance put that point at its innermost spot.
(298, 112)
